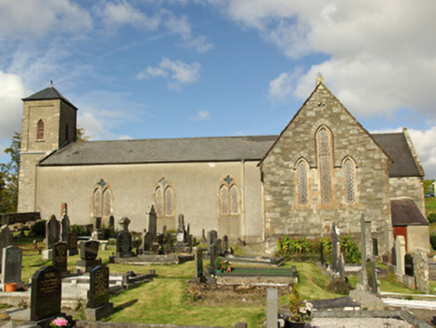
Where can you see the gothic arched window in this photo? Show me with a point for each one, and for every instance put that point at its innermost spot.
(102, 200)
(349, 183)
(164, 199)
(228, 197)
(40, 130)
(324, 152)
(303, 182)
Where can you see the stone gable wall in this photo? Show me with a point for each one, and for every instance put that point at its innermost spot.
(410, 187)
(284, 215)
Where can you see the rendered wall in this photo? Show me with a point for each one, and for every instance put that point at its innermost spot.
(418, 237)
(195, 186)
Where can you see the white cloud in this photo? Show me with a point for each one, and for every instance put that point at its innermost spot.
(41, 17)
(122, 13)
(283, 86)
(425, 145)
(379, 56)
(202, 115)
(11, 109)
(177, 71)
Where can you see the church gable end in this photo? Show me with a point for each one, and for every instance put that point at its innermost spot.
(323, 168)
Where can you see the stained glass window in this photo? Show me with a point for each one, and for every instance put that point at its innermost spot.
(107, 203)
(97, 202)
(302, 175)
(349, 191)
(159, 201)
(168, 201)
(224, 200)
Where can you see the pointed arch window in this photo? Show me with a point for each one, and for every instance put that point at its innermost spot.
(228, 197)
(324, 154)
(349, 171)
(164, 199)
(102, 200)
(40, 130)
(303, 182)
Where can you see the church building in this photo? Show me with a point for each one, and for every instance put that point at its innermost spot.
(323, 168)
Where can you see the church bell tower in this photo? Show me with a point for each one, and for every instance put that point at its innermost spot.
(49, 123)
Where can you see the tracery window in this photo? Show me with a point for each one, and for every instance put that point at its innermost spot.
(302, 184)
(228, 197)
(349, 183)
(164, 199)
(324, 149)
(102, 200)
(40, 130)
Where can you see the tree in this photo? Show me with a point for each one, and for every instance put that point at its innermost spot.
(9, 177)
(81, 135)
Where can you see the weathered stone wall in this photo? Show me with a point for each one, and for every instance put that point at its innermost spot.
(56, 115)
(12, 218)
(284, 214)
(196, 194)
(410, 187)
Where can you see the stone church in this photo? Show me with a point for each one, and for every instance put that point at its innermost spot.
(324, 167)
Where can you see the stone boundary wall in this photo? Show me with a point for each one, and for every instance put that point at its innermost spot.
(97, 324)
(12, 218)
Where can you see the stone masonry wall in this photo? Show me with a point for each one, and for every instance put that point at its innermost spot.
(408, 187)
(283, 213)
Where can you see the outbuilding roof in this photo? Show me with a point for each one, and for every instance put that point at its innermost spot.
(405, 213)
(211, 149)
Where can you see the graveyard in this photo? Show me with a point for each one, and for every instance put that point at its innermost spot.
(170, 278)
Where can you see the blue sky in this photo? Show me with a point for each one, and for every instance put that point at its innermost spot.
(191, 68)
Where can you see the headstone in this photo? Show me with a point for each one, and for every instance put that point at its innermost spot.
(341, 266)
(111, 222)
(64, 209)
(336, 248)
(271, 308)
(124, 239)
(73, 248)
(400, 253)
(11, 264)
(152, 221)
(421, 270)
(321, 248)
(88, 255)
(98, 228)
(198, 263)
(98, 293)
(225, 244)
(148, 241)
(212, 249)
(374, 286)
(368, 241)
(363, 276)
(212, 236)
(65, 229)
(60, 256)
(46, 293)
(6, 239)
(203, 236)
(52, 232)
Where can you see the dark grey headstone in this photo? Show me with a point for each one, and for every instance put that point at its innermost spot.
(212, 236)
(60, 256)
(11, 264)
(152, 221)
(198, 263)
(65, 228)
(335, 248)
(124, 244)
(111, 222)
(89, 250)
(73, 248)
(148, 241)
(52, 233)
(98, 293)
(6, 239)
(46, 293)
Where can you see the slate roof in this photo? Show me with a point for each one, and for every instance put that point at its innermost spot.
(395, 145)
(161, 151)
(405, 213)
(49, 93)
(212, 149)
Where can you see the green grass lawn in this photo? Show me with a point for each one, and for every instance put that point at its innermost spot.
(166, 300)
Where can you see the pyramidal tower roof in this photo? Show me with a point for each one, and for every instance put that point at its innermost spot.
(49, 93)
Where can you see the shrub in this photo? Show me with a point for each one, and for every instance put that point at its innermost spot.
(431, 217)
(433, 240)
(81, 230)
(38, 229)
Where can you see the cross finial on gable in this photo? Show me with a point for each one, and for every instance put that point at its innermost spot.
(319, 78)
